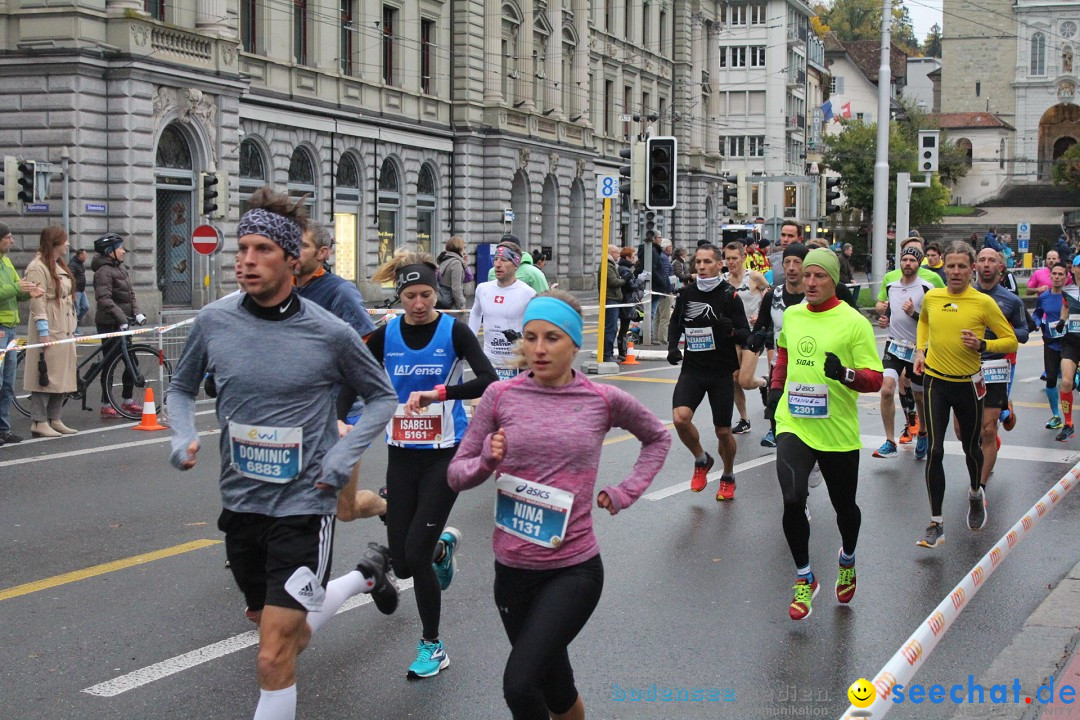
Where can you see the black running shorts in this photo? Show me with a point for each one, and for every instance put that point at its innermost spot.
(997, 396)
(1070, 348)
(897, 367)
(692, 387)
(280, 561)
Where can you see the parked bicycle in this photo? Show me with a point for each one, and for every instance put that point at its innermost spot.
(143, 365)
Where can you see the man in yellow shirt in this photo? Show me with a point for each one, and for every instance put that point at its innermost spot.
(951, 336)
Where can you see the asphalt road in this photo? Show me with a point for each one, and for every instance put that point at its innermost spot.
(133, 615)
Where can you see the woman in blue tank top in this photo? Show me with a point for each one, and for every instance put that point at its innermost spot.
(424, 352)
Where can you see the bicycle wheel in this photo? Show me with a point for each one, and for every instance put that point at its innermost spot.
(151, 370)
(21, 400)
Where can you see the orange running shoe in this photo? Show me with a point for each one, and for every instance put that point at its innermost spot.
(701, 472)
(726, 490)
(804, 595)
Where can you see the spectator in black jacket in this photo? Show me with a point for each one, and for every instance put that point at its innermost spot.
(78, 269)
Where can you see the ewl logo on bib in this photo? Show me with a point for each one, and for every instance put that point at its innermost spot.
(405, 370)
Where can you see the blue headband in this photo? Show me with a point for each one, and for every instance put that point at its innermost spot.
(556, 312)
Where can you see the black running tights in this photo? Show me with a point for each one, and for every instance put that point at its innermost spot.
(794, 461)
(418, 503)
(939, 397)
(542, 612)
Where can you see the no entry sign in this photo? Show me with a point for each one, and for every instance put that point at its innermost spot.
(206, 239)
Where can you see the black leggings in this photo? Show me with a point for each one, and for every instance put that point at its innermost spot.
(542, 612)
(794, 461)
(939, 397)
(1051, 364)
(109, 348)
(418, 503)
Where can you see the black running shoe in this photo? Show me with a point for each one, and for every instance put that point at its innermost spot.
(382, 494)
(742, 428)
(375, 563)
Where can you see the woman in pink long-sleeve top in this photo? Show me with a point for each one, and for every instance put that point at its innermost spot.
(541, 434)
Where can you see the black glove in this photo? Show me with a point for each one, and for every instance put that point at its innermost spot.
(834, 369)
(210, 385)
(724, 325)
(674, 356)
(772, 402)
(511, 335)
(755, 342)
(1060, 326)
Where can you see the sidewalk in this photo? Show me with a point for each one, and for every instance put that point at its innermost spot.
(1045, 649)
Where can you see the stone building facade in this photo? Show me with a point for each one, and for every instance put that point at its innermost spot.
(403, 121)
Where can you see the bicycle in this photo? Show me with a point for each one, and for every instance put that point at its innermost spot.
(147, 367)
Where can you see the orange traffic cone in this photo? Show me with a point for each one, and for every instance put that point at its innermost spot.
(631, 359)
(149, 414)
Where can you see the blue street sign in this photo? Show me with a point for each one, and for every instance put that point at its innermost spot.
(95, 207)
(36, 207)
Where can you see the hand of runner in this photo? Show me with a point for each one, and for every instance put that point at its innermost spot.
(192, 451)
(919, 362)
(419, 400)
(343, 428)
(604, 501)
(674, 356)
(498, 445)
(834, 369)
(969, 338)
(883, 321)
(908, 306)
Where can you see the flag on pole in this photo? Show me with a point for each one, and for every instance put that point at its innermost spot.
(845, 110)
(826, 110)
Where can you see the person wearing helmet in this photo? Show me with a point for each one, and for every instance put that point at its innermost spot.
(116, 307)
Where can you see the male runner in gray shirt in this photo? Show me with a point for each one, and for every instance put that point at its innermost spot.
(277, 360)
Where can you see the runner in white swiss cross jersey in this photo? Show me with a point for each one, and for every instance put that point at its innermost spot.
(499, 305)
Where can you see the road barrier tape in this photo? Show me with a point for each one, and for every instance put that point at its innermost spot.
(913, 653)
(14, 345)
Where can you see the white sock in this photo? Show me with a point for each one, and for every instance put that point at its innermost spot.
(277, 704)
(337, 592)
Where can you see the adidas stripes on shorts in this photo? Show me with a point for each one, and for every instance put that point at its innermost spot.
(280, 561)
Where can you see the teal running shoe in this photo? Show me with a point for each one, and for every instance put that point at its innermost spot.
(431, 659)
(922, 444)
(445, 568)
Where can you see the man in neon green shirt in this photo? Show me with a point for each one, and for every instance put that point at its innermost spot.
(826, 356)
(12, 291)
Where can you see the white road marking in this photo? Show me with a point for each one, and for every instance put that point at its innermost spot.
(89, 451)
(675, 489)
(213, 651)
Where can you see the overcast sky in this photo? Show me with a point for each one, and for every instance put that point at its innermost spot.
(924, 13)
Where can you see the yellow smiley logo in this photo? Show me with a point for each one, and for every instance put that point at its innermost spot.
(861, 693)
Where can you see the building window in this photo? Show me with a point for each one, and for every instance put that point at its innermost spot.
(628, 17)
(757, 56)
(978, 88)
(738, 56)
(427, 54)
(155, 8)
(569, 106)
(609, 106)
(607, 14)
(860, 116)
(346, 218)
(836, 85)
(389, 25)
(511, 24)
(248, 34)
(427, 226)
(1038, 54)
(1001, 154)
(756, 145)
(737, 14)
(736, 146)
(252, 172)
(300, 31)
(965, 145)
(389, 210)
(628, 109)
(757, 15)
(347, 36)
(646, 29)
(723, 57)
(302, 178)
(663, 33)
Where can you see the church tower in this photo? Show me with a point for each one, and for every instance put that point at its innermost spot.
(978, 57)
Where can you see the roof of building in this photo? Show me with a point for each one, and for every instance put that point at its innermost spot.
(866, 54)
(969, 120)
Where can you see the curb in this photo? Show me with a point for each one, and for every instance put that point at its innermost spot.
(1039, 652)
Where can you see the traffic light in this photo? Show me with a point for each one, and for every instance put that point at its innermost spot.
(632, 176)
(731, 194)
(11, 183)
(829, 194)
(213, 194)
(27, 174)
(928, 151)
(650, 226)
(661, 166)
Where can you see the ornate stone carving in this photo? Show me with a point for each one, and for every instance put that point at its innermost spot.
(553, 163)
(579, 170)
(140, 34)
(523, 158)
(1066, 90)
(228, 53)
(194, 105)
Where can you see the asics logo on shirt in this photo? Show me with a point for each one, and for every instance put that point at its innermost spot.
(695, 310)
(417, 370)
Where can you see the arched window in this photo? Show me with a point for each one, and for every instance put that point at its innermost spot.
(965, 145)
(511, 24)
(347, 217)
(302, 177)
(173, 151)
(389, 210)
(1038, 54)
(569, 45)
(427, 226)
(252, 171)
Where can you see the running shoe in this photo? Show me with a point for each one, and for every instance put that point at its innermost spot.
(976, 510)
(845, 583)
(10, 437)
(935, 536)
(769, 440)
(430, 659)
(1054, 423)
(913, 424)
(742, 428)
(132, 407)
(815, 477)
(382, 494)
(887, 449)
(109, 412)
(805, 592)
(764, 390)
(445, 568)
(905, 436)
(726, 490)
(922, 444)
(1066, 433)
(701, 472)
(1010, 418)
(375, 563)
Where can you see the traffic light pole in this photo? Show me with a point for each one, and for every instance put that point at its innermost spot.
(903, 207)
